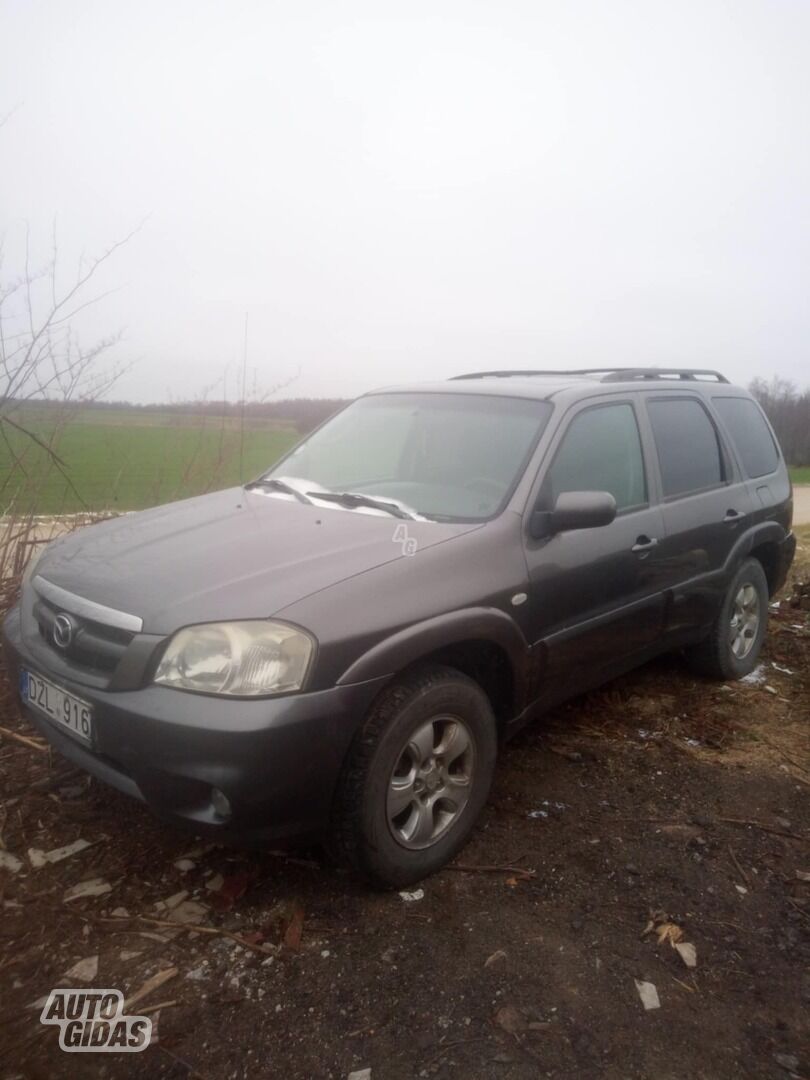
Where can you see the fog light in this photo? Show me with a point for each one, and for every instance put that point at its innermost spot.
(220, 803)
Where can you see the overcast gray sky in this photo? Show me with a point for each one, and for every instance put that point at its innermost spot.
(410, 190)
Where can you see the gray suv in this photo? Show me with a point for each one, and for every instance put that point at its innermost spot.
(335, 649)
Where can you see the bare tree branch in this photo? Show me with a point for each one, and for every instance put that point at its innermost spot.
(41, 355)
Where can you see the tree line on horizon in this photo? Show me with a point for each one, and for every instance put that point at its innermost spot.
(788, 410)
(303, 413)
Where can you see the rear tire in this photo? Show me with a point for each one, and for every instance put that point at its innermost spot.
(732, 647)
(416, 777)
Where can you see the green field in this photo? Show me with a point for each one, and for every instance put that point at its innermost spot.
(800, 474)
(128, 460)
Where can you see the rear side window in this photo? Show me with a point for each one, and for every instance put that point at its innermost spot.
(600, 451)
(687, 445)
(750, 433)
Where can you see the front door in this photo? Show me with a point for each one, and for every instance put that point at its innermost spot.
(595, 594)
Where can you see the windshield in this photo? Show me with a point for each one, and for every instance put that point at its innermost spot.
(450, 457)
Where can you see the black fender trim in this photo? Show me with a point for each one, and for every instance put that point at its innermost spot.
(414, 642)
(765, 532)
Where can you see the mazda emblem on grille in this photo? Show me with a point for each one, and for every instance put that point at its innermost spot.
(63, 631)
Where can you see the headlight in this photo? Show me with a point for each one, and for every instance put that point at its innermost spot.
(243, 659)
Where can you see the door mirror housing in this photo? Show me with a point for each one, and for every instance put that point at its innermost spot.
(574, 510)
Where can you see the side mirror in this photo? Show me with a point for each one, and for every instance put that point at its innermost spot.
(574, 510)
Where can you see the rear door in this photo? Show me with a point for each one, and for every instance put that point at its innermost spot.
(705, 505)
(595, 597)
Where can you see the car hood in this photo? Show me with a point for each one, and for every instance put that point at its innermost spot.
(234, 554)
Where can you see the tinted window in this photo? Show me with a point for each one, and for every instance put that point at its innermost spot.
(687, 444)
(750, 433)
(600, 451)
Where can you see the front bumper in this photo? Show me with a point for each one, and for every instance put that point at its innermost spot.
(276, 759)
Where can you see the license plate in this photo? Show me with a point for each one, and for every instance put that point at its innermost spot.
(58, 705)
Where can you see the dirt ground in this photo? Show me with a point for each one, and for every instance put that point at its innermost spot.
(660, 799)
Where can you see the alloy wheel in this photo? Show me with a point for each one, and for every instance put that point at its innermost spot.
(431, 782)
(745, 616)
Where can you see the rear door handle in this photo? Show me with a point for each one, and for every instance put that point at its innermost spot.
(643, 545)
(732, 515)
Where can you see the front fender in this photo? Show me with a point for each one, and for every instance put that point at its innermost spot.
(420, 639)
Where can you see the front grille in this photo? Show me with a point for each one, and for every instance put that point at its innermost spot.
(94, 646)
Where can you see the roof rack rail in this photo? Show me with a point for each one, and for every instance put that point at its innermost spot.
(609, 374)
(684, 374)
(502, 374)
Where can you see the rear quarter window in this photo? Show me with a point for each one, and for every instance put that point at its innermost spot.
(750, 434)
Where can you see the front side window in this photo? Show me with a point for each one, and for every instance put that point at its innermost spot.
(751, 435)
(687, 444)
(600, 451)
(450, 457)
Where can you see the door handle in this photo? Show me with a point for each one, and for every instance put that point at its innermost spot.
(732, 515)
(643, 545)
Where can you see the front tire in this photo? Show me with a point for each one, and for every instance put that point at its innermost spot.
(416, 777)
(732, 647)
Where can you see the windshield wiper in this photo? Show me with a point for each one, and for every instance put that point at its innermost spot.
(280, 485)
(352, 498)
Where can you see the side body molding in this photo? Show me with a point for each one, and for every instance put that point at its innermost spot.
(415, 641)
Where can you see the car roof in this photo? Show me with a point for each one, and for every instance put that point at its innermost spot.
(545, 385)
(541, 389)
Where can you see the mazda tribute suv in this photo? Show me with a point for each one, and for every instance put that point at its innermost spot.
(337, 648)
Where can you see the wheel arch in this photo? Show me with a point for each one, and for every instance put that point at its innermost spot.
(768, 555)
(482, 643)
(762, 543)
